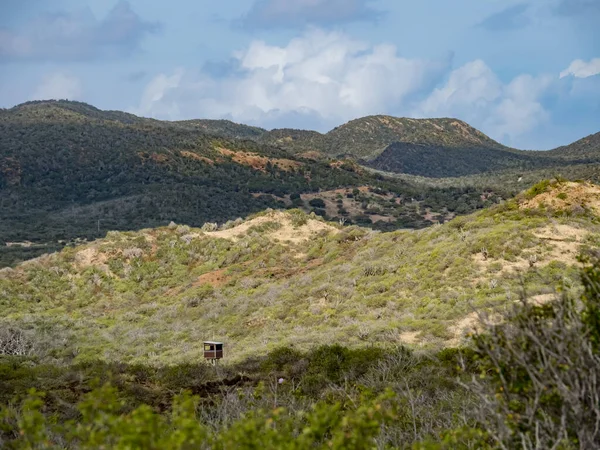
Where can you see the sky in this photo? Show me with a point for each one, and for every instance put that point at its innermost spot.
(527, 73)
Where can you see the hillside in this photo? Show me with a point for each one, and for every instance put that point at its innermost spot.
(436, 161)
(586, 148)
(69, 171)
(367, 137)
(427, 147)
(222, 128)
(284, 278)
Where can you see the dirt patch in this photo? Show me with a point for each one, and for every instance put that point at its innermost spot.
(312, 155)
(259, 162)
(25, 244)
(91, 257)
(562, 243)
(191, 155)
(464, 131)
(568, 196)
(377, 218)
(409, 337)
(287, 232)
(542, 299)
(285, 199)
(561, 232)
(471, 323)
(216, 278)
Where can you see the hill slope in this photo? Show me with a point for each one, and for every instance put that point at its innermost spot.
(586, 148)
(69, 171)
(427, 147)
(367, 137)
(288, 278)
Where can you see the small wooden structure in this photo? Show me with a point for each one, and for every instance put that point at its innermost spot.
(213, 351)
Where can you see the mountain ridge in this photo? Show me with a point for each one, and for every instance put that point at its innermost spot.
(371, 134)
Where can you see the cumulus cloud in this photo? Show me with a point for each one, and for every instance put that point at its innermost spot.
(475, 94)
(76, 36)
(58, 86)
(323, 79)
(582, 69)
(469, 90)
(299, 13)
(324, 75)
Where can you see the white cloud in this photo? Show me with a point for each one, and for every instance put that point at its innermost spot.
(58, 86)
(469, 89)
(323, 79)
(582, 69)
(324, 74)
(520, 109)
(475, 94)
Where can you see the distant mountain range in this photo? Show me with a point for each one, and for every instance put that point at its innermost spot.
(69, 170)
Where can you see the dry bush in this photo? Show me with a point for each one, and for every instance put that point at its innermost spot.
(14, 342)
(541, 373)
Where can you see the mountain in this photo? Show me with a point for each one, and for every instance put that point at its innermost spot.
(69, 171)
(288, 278)
(586, 148)
(223, 128)
(439, 161)
(367, 137)
(427, 147)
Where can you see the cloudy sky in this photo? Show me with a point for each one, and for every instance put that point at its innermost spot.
(527, 73)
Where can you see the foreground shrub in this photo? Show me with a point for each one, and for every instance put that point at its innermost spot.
(540, 384)
(104, 424)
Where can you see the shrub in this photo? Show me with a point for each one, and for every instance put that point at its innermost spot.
(541, 370)
(317, 203)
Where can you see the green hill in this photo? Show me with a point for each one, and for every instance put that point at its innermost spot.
(427, 147)
(367, 137)
(586, 148)
(222, 128)
(69, 171)
(284, 278)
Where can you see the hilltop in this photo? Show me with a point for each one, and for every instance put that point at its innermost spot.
(283, 278)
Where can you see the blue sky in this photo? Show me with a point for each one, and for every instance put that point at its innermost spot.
(527, 73)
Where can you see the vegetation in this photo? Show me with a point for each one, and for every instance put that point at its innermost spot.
(290, 278)
(528, 382)
(470, 330)
(367, 137)
(70, 172)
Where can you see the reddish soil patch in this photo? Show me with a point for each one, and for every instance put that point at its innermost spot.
(216, 278)
(159, 157)
(156, 157)
(191, 155)
(259, 162)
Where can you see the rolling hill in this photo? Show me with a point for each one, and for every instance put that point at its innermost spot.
(283, 278)
(69, 171)
(427, 147)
